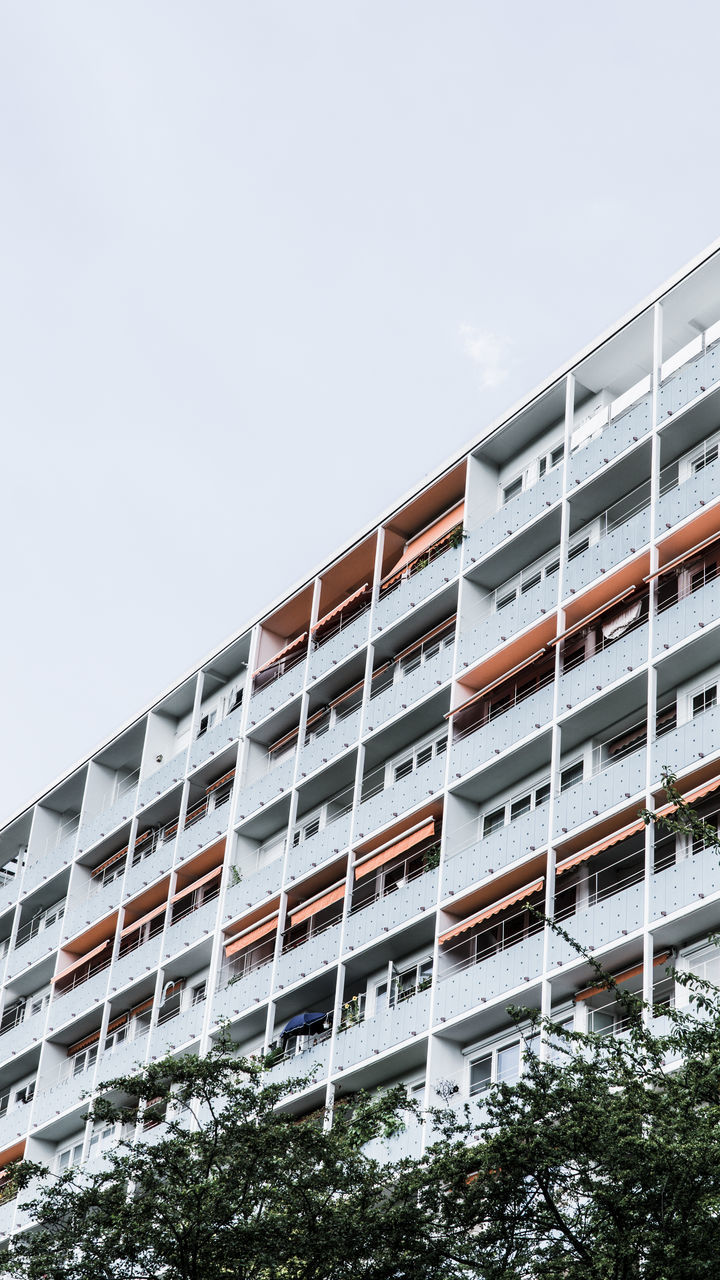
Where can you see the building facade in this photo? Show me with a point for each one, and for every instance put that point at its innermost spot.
(337, 821)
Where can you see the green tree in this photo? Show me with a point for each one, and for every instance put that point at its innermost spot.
(601, 1162)
(234, 1189)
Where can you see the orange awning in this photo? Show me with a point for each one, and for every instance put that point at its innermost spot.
(415, 547)
(417, 644)
(197, 884)
(596, 613)
(318, 904)
(289, 648)
(214, 785)
(623, 834)
(686, 555)
(625, 976)
(494, 684)
(487, 912)
(77, 964)
(83, 1044)
(394, 850)
(96, 871)
(364, 590)
(156, 911)
(252, 935)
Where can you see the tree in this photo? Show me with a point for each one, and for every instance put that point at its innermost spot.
(601, 1162)
(234, 1189)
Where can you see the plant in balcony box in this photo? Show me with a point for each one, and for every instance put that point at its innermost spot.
(432, 857)
(456, 536)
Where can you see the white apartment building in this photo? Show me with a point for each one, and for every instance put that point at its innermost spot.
(324, 836)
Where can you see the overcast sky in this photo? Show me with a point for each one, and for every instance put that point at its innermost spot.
(264, 265)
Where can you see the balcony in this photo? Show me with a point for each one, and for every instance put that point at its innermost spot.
(14, 1124)
(503, 731)
(61, 1093)
(103, 824)
(175, 1032)
(399, 797)
(413, 590)
(135, 964)
(319, 951)
(692, 612)
(151, 865)
(274, 695)
(603, 555)
(606, 921)
(203, 828)
(261, 791)
(405, 1145)
(70, 1004)
(123, 1059)
(686, 744)
(29, 949)
(603, 668)
(340, 646)
(328, 842)
(404, 693)
(242, 993)
(393, 909)
(321, 750)
(514, 515)
(686, 499)
(609, 788)
(253, 888)
(7, 1212)
(685, 882)
(498, 974)
(313, 1061)
(617, 435)
(690, 380)
(407, 1019)
(97, 900)
(22, 1036)
(191, 928)
(49, 863)
(215, 739)
(164, 777)
(480, 633)
(470, 857)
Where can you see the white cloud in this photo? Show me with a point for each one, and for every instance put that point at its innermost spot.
(488, 352)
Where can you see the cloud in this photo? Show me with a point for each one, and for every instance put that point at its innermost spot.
(488, 352)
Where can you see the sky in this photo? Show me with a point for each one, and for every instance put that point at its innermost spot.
(264, 265)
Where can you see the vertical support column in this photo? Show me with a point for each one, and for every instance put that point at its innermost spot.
(652, 669)
(556, 741)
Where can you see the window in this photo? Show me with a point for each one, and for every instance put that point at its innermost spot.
(493, 821)
(517, 807)
(709, 454)
(101, 1137)
(512, 490)
(116, 1037)
(500, 1066)
(199, 993)
(521, 806)
(577, 548)
(704, 700)
(84, 1060)
(25, 1094)
(206, 722)
(70, 1156)
(571, 775)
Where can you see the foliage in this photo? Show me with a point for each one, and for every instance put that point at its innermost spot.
(602, 1162)
(234, 1189)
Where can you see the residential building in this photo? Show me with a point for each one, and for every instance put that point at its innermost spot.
(336, 823)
